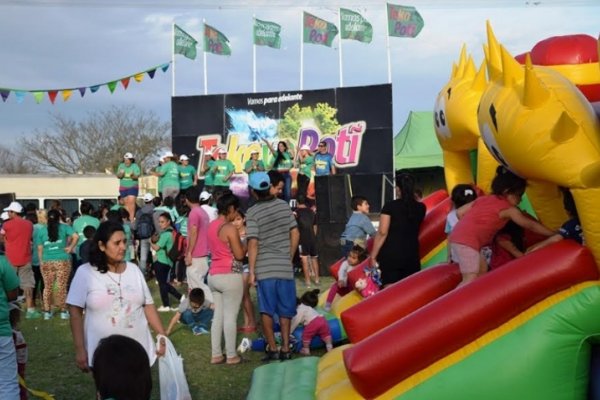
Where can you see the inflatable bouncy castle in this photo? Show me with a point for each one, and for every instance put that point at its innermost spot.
(523, 331)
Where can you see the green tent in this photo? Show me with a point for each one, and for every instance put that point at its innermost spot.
(416, 145)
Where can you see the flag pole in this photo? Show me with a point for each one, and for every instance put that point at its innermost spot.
(204, 56)
(302, 51)
(340, 50)
(253, 56)
(389, 59)
(173, 61)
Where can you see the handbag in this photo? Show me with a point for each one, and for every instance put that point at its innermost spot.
(173, 383)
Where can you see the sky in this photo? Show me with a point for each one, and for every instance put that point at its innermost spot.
(55, 44)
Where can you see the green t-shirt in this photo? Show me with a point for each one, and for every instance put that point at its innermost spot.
(35, 259)
(165, 242)
(209, 176)
(8, 282)
(79, 225)
(260, 166)
(186, 176)
(132, 169)
(170, 178)
(55, 251)
(221, 169)
(285, 164)
(160, 180)
(182, 222)
(127, 230)
(306, 166)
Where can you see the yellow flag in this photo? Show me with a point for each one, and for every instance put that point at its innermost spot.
(66, 94)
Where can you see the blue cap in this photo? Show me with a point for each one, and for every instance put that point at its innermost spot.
(259, 181)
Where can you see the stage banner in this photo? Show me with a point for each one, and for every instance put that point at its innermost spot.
(355, 122)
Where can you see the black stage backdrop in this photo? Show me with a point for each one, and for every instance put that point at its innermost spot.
(355, 121)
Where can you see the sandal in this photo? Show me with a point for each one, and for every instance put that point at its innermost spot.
(236, 360)
(217, 360)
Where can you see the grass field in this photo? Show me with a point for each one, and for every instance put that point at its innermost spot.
(51, 366)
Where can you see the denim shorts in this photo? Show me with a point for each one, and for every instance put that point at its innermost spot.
(132, 191)
(277, 296)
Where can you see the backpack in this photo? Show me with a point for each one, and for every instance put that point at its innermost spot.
(144, 226)
(177, 251)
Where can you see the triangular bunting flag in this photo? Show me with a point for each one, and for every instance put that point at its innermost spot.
(112, 86)
(20, 95)
(94, 88)
(52, 95)
(82, 91)
(164, 67)
(151, 73)
(125, 82)
(66, 94)
(38, 96)
(138, 77)
(4, 94)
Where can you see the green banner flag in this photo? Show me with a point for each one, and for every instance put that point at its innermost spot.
(404, 21)
(354, 26)
(215, 42)
(267, 34)
(185, 44)
(318, 31)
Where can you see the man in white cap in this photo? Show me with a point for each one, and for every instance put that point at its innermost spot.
(144, 228)
(187, 174)
(168, 174)
(205, 199)
(222, 170)
(17, 233)
(306, 164)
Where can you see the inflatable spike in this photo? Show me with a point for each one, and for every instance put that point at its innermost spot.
(479, 82)
(564, 129)
(512, 71)
(462, 61)
(493, 60)
(470, 70)
(535, 94)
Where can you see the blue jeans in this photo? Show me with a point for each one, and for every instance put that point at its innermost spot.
(202, 318)
(287, 186)
(9, 383)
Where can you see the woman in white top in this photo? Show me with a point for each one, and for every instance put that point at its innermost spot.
(115, 297)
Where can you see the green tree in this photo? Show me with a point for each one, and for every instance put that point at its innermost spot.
(97, 143)
(322, 116)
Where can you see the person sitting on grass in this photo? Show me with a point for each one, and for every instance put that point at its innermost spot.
(195, 312)
(121, 369)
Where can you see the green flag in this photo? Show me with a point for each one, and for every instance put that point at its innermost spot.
(354, 26)
(215, 42)
(267, 34)
(184, 43)
(404, 21)
(318, 31)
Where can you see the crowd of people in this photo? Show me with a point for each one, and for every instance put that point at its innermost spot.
(208, 253)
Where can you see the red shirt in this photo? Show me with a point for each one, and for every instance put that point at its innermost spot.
(479, 225)
(17, 237)
(221, 256)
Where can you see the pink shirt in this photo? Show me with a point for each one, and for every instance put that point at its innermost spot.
(199, 218)
(479, 225)
(220, 253)
(17, 233)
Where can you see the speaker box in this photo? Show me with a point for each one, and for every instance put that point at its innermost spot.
(328, 245)
(332, 199)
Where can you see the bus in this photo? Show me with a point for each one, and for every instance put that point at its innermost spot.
(69, 189)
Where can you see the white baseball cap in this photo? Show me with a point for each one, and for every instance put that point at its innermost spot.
(128, 156)
(305, 147)
(222, 150)
(4, 216)
(167, 154)
(204, 195)
(148, 197)
(254, 152)
(15, 207)
(183, 157)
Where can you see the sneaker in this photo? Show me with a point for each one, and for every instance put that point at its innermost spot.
(47, 316)
(198, 330)
(163, 309)
(270, 356)
(244, 346)
(64, 315)
(285, 355)
(33, 314)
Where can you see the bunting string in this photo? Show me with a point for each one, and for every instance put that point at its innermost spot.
(66, 93)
